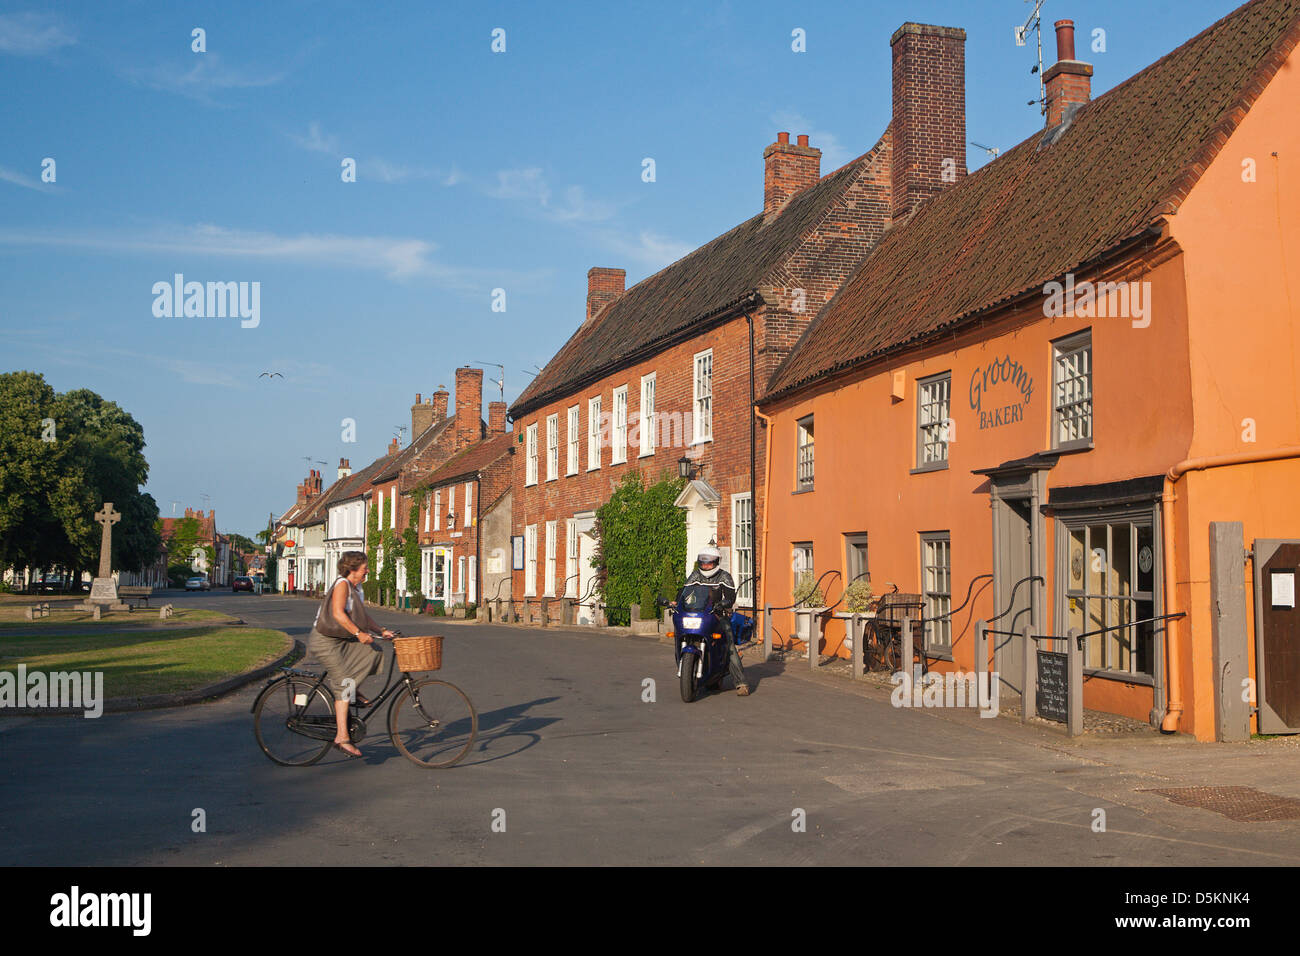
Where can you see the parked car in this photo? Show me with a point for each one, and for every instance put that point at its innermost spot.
(242, 584)
(50, 583)
(197, 583)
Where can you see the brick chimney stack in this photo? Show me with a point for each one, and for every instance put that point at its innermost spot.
(603, 287)
(929, 123)
(345, 468)
(1068, 81)
(421, 416)
(440, 403)
(469, 407)
(394, 447)
(496, 418)
(787, 171)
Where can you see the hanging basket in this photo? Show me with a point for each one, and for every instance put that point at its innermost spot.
(418, 653)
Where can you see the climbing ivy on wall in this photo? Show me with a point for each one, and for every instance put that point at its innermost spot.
(638, 531)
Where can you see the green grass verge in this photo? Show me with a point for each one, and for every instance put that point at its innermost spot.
(138, 663)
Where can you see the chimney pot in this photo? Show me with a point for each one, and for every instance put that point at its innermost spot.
(1065, 39)
(783, 138)
(1068, 82)
(803, 139)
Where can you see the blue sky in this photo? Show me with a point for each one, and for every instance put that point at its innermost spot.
(475, 171)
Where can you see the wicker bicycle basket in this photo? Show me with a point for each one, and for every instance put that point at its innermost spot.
(418, 653)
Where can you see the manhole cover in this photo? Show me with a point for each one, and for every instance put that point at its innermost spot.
(1243, 804)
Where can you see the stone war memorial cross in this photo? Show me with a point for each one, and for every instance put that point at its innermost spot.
(103, 591)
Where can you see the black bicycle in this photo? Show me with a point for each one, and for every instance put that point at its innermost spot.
(432, 722)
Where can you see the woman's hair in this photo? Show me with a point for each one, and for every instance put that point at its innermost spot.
(349, 561)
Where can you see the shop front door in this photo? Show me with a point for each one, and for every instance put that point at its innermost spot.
(1013, 567)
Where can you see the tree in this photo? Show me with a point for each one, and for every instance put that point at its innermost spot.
(61, 457)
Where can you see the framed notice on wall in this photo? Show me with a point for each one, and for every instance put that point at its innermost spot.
(1283, 588)
(517, 552)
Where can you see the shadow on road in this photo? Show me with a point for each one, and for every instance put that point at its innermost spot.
(497, 725)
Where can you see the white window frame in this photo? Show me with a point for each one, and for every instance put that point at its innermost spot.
(530, 561)
(742, 560)
(550, 559)
(593, 433)
(451, 506)
(379, 513)
(428, 510)
(646, 433)
(571, 558)
(802, 561)
(530, 455)
(933, 418)
(552, 447)
(804, 458)
(393, 508)
(936, 589)
(469, 505)
(702, 398)
(574, 436)
(1073, 393)
(437, 510)
(620, 426)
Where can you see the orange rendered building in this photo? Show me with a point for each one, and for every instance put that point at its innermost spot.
(1041, 390)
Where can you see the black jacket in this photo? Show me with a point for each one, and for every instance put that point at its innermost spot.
(721, 580)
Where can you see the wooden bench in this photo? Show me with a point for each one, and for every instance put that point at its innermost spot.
(135, 591)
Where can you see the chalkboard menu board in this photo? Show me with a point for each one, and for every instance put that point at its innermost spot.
(1053, 686)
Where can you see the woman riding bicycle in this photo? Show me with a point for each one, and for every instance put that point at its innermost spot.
(341, 622)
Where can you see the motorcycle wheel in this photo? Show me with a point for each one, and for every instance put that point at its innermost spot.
(688, 677)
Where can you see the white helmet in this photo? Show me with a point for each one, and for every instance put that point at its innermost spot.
(709, 555)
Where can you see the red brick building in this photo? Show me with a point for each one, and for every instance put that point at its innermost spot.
(680, 357)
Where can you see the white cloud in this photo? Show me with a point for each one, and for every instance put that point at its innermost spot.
(834, 153)
(206, 74)
(32, 34)
(646, 247)
(395, 257)
(530, 185)
(316, 141)
(18, 179)
(373, 168)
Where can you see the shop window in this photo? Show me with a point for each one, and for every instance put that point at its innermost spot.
(1110, 587)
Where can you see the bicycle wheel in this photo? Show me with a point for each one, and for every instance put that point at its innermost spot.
(432, 723)
(293, 725)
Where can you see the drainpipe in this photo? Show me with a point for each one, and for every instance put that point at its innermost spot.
(753, 498)
(478, 539)
(767, 483)
(1174, 710)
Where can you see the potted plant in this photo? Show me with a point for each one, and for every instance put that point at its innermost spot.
(809, 603)
(857, 600)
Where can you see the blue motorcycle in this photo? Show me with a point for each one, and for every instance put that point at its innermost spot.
(700, 650)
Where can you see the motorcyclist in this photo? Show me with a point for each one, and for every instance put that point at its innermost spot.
(711, 574)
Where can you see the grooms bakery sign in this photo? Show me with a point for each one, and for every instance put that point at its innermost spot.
(1000, 380)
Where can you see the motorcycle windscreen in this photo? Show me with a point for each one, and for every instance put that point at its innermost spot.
(696, 598)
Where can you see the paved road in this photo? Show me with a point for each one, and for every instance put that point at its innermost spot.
(586, 772)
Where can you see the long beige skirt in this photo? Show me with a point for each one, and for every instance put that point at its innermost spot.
(343, 659)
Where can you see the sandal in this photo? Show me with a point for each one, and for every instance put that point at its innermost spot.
(338, 746)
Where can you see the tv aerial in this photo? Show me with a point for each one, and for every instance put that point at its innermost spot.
(991, 150)
(500, 383)
(1021, 33)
